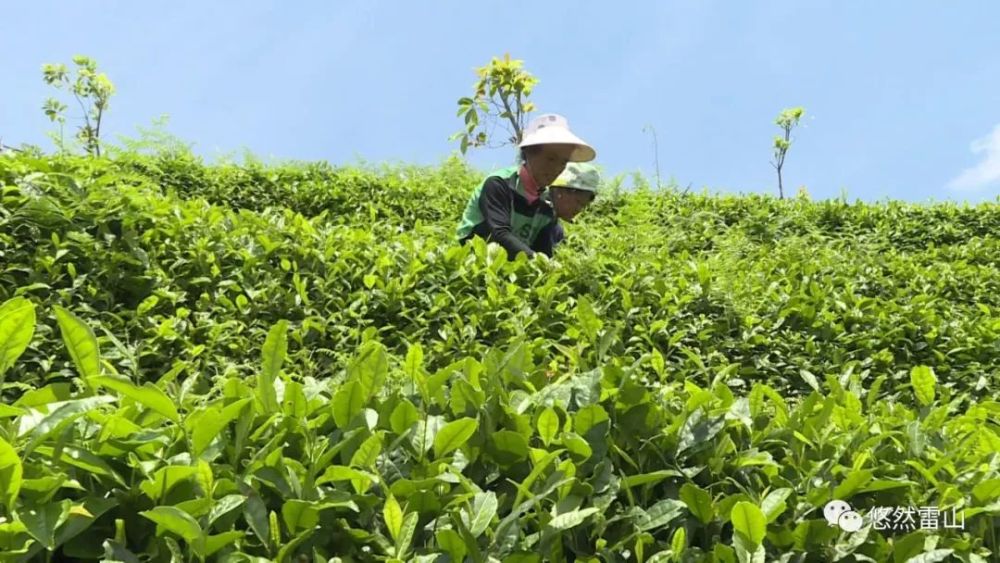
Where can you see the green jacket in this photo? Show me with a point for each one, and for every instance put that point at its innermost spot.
(499, 211)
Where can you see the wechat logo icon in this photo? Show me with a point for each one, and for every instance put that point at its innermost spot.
(839, 513)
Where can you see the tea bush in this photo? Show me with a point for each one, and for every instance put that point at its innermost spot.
(296, 362)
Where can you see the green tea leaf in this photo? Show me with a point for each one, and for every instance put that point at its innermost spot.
(82, 459)
(212, 544)
(933, 556)
(294, 403)
(854, 481)
(885, 484)
(196, 507)
(207, 425)
(174, 520)
(577, 446)
(924, 381)
(42, 522)
(656, 360)
(403, 417)
(548, 425)
(165, 479)
(660, 514)
(406, 533)
(699, 430)
(149, 395)
(773, 504)
(506, 533)
(80, 342)
(508, 447)
(453, 435)
(983, 492)
(392, 513)
(908, 546)
(571, 519)
(205, 478)
(17, 327)
(255, 513)
(39, 426)
(699, 502)
(524, 488)
(7, 411)
(810, 379)
(587, 318)
(746, 552)
(588, 417)
(224, 506)
(368, 452)
(369, 369)
(52, 393)
(851, 543)
(873, 391)
(177, 554)
(665, 556)
(11, 474)
(80, 518)
(484, 508)
(339, 501)
(413, 365)
(343, 473)
(724, 553)
(348, 402)
(750, 521)
(371, 419)
(288, 549)
(679, 543)
(299, 515)
(115, 551)
(649, 478)
(273, 355)
(452, 543)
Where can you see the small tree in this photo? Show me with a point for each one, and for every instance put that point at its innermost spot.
(786, 120)
(501, 93)
(92, 91)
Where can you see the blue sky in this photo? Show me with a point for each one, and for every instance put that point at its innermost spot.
(902, 98)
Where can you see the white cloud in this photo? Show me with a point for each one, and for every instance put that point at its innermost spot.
(987, 172)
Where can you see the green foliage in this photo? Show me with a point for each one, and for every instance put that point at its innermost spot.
(152, 141)
(91, 89)
(786, 120)
(502, 93)
(296, 363)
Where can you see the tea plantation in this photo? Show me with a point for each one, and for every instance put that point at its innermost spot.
(297, 363)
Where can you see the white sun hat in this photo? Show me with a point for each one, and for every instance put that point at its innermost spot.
(553, 129)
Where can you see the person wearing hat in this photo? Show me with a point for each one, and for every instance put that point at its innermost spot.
(570, 193)
(573, 190)
(508, 207)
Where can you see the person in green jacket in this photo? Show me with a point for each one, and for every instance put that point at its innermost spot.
(508, 207)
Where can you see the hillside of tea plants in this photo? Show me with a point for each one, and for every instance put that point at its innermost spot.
(295, 362)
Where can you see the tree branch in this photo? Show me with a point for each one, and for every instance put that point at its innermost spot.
(86, 117)
(97, 132)
(510, 115)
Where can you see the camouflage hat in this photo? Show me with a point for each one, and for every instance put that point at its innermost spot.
(579, 177)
